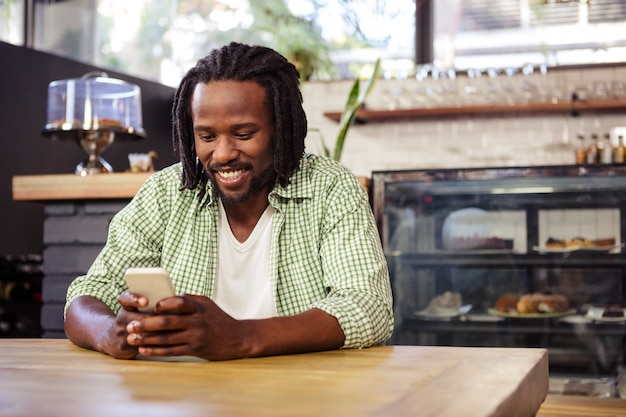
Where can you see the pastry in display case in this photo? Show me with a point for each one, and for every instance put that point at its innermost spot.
(525, 256)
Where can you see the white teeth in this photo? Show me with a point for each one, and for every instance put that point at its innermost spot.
(229, 175)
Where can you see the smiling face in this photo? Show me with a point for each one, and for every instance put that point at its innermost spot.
(233, 132)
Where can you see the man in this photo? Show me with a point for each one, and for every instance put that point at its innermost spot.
(273, 250)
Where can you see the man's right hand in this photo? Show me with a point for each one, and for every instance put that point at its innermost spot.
(91, 324)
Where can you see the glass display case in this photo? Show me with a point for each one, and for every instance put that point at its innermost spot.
(509, 257)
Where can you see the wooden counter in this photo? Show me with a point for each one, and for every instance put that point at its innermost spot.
(581, 406)
(77, 213)
(75, 187)
(54, 377)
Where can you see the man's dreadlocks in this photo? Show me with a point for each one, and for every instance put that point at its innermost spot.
(239, 62)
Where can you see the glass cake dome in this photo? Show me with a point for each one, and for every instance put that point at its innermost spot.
(94, 111)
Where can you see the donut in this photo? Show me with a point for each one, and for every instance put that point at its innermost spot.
(598, 243)
(529, 303)
(507, 303)
(578, 242)
(542, 303)
(553, 303)
(445, 302)
(554, 243)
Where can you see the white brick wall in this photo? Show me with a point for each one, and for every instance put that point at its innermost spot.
(454, 142)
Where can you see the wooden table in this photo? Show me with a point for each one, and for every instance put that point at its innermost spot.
(52, 377)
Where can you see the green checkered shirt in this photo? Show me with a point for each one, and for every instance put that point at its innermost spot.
(326, 251)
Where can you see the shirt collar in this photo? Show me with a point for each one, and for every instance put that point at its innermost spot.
(300, 185)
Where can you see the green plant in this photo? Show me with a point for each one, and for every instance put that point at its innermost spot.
(297, 38)
(5, 16)
(356, 100)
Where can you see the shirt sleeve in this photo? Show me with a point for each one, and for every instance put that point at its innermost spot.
(355, 268)
(134, 238)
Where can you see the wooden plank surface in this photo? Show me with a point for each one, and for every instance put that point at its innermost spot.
(581, 406)
(76, 187)
(54, 377)
(379, 115)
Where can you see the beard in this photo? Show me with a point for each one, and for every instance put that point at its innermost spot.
(257, 183)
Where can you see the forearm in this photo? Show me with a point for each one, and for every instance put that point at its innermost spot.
(310, 331)
(88, 323)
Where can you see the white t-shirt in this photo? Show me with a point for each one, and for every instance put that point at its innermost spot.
(243, 287)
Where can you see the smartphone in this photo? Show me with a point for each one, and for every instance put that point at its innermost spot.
(153, 283)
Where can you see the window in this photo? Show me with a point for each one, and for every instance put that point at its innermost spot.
(485, 33)
(161, 39)
(12, 21)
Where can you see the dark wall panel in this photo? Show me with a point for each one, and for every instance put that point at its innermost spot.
(24, 78)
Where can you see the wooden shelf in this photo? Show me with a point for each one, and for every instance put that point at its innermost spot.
(121, 185)
(377, 116)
